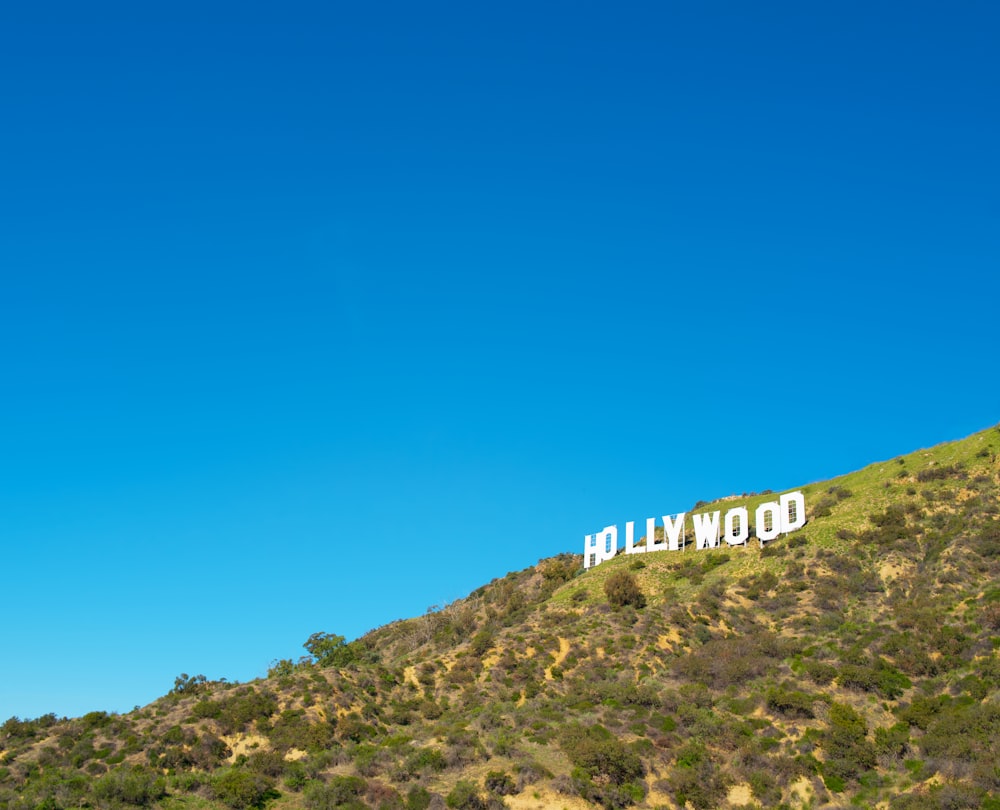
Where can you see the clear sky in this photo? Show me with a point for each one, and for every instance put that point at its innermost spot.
(314, 316)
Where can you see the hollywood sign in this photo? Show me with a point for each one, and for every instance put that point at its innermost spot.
(772, 519)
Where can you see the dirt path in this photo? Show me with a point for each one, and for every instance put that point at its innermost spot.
(560, 657)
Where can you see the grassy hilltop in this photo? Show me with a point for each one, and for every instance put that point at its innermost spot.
(853, 662)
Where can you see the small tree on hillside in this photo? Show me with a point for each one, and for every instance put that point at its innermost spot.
(330, 650)
(185, 684)
(622, 589)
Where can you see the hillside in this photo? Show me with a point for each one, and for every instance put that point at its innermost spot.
(852, 662)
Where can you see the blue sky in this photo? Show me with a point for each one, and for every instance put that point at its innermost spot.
(313, 318)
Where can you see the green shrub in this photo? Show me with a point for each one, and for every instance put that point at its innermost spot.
(93, 720)
(369, 760)
(246, 706)
(765, 788)
(879, 676)
(714, 560)
(823, 507)
(819, 672)
(845, 741)
(353, 728)
(465, 796)
(599, 753)
(294, 729)
(500, 783)
(696, 778)
(922, 710)
(426, 759)
(340, 792)
(622, 589)
(418, 798)
(296, 776)
(790, 702)
(892, 742)
(936, 473)
(269, 763)
(962, 732)
(138, 787)
(722, 662)
(240, 788)
(207, 709)
(481, 642)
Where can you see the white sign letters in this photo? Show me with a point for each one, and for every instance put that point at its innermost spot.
(771, 519)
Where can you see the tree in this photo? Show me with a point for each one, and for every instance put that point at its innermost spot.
(330, 650)
(185, 684)
(281, 668)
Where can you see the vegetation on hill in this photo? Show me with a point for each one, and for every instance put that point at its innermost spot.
(854, 662)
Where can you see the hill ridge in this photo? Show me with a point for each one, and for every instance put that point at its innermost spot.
(852, 661)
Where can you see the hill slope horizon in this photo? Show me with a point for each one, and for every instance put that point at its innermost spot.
(854, 660)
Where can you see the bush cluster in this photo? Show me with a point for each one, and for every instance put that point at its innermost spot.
(622, 589)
